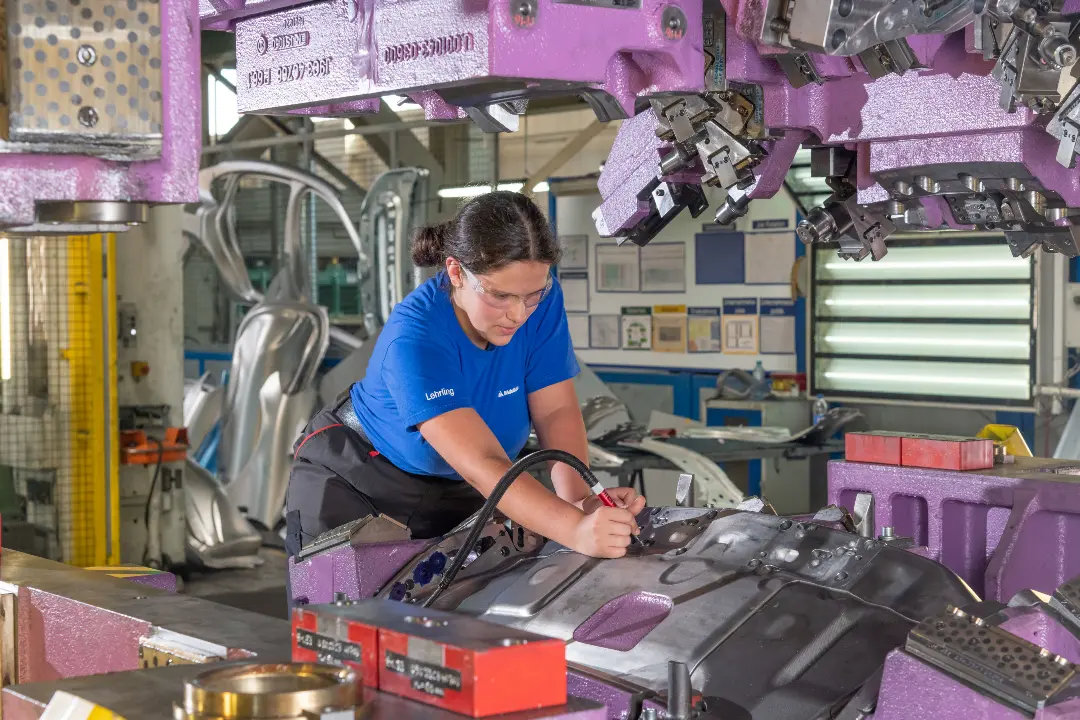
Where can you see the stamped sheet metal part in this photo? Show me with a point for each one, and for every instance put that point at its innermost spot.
(991, 527)
(103, 107)
(748, 578)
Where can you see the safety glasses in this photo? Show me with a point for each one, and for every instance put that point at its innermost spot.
(502, 300)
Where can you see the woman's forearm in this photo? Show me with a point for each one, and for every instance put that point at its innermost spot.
(565, 430)
(527, 501)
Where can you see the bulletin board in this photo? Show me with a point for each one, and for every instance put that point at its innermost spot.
(697, 297)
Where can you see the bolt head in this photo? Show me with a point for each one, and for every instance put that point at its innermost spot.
(1065, 55)
(86, 55)
(88, 116)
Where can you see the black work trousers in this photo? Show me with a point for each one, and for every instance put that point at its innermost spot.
(337, 476)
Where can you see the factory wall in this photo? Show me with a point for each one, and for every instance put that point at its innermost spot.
(541, 136)
(150, 287)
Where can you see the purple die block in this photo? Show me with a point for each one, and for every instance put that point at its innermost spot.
(1036, 626)
(911, 688)
(161, 581)
(349, 51)
(618, 701)
(620, 624)
(359, 573)
(993, 528)
(631, 166)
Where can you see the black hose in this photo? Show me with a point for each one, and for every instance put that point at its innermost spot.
(150, 497)
(493, 500)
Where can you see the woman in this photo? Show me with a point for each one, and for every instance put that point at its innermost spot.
(462, 368)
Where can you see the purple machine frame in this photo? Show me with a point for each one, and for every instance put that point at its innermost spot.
(1011, 528)
(456, 58)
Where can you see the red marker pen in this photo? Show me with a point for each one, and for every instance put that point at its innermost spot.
(600, 492)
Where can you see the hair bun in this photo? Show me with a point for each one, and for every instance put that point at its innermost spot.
(429, 245)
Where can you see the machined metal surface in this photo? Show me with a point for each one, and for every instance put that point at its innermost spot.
(86, 78)
(751, 578)
(155, 695)
(999, 663)
(275, 691)
(74, 623)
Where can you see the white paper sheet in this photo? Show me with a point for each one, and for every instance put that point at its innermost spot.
(663, 267)
(778, 334)
(575, 289)
(769, 257)
(579, 330)
(575, 252)
(618, 268)
(604, 331)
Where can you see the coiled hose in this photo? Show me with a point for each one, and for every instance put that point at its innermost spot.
(493, 500)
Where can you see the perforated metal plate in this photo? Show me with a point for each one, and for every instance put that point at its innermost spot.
(85, 75)
(1004, 666)
(1069, 597)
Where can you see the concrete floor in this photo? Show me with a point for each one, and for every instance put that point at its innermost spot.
(260, 590)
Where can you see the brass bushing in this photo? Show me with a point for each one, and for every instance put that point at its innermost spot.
(264, 691)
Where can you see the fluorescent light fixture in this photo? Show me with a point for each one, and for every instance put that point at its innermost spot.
(541, 186)
(936, 262)
(970, 379)
(914, 302)
(931, 302)
(469, 191)
(926, 379)
(915, 340)
(943, 342)
(5, 308)
(882, 266)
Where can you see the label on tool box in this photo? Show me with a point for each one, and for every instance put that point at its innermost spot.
(425, 677)
(329, 650)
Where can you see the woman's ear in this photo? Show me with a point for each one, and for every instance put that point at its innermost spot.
(453, 271)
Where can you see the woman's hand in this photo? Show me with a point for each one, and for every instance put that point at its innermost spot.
(624, 497)
(604, 533)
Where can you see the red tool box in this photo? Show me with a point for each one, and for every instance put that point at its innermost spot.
(451, 661)
(325, 634)
(943, 452)
(946, 452)
(873, 447)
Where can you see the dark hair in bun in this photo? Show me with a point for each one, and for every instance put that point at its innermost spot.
(489, 232)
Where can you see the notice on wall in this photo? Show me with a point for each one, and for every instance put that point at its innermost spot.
(579, 329)
(637, 328)
(604, 331)
(740, 326)
(618, 268)
(769, 257)
(669, 328)
(777, 326)
(703, 329)
(663, 267)
(575, 288)
(575, 252)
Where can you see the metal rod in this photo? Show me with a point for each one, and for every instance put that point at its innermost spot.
(276, 125)
(1057, 391)
(317, 135)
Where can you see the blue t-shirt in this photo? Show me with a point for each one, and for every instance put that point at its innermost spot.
(424, 365)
